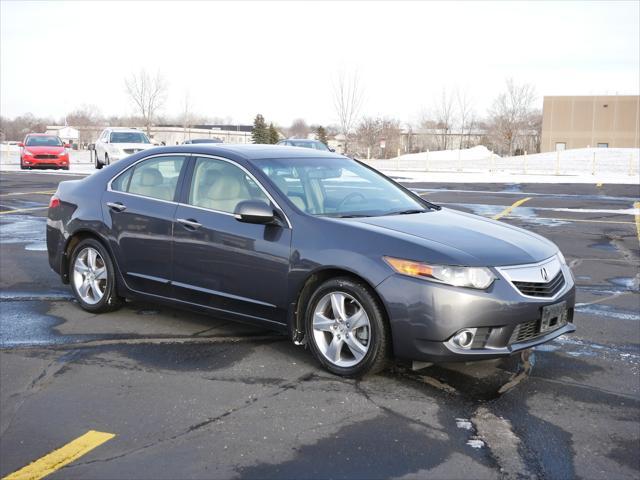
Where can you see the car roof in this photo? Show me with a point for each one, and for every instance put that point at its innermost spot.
(41, 135)
(249, 152)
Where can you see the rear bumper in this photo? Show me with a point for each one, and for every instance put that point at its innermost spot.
(424, 316)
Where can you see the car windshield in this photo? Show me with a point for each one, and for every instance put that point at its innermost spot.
(43, 141)
(307, 144)
(128, 137)
(338, 187)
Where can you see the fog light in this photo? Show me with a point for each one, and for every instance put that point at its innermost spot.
(464, 338)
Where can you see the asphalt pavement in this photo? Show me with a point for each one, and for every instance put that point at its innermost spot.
(190, 396)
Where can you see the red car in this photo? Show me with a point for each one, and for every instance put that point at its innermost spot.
(40, 150)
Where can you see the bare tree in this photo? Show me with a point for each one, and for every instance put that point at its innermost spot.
(466, 118)
(186, 116)
(444, 115)
(148, 93)
(299, 129)
(347, 99)
(509, 115)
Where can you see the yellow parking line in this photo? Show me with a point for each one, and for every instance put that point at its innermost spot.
(637, 206)
(18, 210)
(61, 457)
(508, 210)
(40, 192)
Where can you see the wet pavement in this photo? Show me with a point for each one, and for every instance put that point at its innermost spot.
(190, 396)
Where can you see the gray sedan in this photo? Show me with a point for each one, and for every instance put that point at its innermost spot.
(312, 244)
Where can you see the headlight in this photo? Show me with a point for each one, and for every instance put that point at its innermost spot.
(472, 277)
(27, 152)
(561, 257)
(62, 154)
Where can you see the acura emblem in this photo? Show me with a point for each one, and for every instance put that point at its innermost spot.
(544, 274)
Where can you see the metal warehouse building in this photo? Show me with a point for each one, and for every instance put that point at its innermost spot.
(590, 121)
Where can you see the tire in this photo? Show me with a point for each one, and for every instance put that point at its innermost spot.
(65, 168)
(22, 166)
(102, 297)
(106, 159)
(98, 163)
(341, 347)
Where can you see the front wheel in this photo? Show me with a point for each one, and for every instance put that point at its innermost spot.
(93, 277)
(98, 162)
(347, 329)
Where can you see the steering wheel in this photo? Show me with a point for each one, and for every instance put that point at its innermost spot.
(349, 197)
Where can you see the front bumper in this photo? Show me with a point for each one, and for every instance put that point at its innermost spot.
(45, 162)
(424, 316)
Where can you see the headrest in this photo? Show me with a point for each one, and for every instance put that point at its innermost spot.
(225, 188)
(281, 183)
(151, 178)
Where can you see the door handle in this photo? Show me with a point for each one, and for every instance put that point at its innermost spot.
(117, 206)
(190, 223)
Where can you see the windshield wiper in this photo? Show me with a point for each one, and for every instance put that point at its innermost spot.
(406, 212)
(352, 215)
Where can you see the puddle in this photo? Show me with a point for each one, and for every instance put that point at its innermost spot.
(629, 283)
(580, 347)
(27, 324)
(511, 187)
(24, 229)
(526, 214)
(607, 311)
(605, 246)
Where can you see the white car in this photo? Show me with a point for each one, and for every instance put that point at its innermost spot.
(117, 143)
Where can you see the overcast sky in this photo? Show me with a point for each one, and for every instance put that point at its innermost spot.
(280, 58)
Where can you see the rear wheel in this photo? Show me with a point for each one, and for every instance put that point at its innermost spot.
(347, 329)
(93, 277)
(106, 159)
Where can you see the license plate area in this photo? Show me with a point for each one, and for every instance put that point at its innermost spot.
(553, 316)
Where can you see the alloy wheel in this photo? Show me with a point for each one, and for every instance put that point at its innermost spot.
(341, 329)
(90, 275)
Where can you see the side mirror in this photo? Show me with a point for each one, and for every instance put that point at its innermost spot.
(21, 144)
(332, 150)
(91, 146)
(254, 211)
(67, 145)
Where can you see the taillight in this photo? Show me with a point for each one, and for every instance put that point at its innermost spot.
(54, 202)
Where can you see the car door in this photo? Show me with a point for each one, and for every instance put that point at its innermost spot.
(220, 262)
(139, 207)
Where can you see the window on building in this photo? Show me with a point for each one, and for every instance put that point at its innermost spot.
(603, 145)
(560, 146)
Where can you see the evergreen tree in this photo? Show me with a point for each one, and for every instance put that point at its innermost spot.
(322, 135)
(260, 133)
(273, 134)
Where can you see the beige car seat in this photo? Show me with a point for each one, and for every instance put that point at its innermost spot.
(151, 184)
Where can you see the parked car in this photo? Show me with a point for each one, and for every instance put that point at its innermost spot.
(304, 143)
(39, 150)
(114, 144)
(313, 244)
(195, 141)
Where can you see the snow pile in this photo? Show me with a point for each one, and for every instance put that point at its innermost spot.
(479, 152)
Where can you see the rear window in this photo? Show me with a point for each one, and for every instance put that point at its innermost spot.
(128, 137)
(43, 141)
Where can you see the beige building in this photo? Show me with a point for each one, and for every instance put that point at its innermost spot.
(590, 121)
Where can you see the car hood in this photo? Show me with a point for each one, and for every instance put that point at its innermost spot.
(135, 146)
(41, 150)
(479, 241)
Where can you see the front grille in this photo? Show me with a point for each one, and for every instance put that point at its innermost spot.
(525, 331)
(45, 157)
(548, 289)
(132, 150)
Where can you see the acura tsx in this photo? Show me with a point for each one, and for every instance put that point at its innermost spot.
(313, 244)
